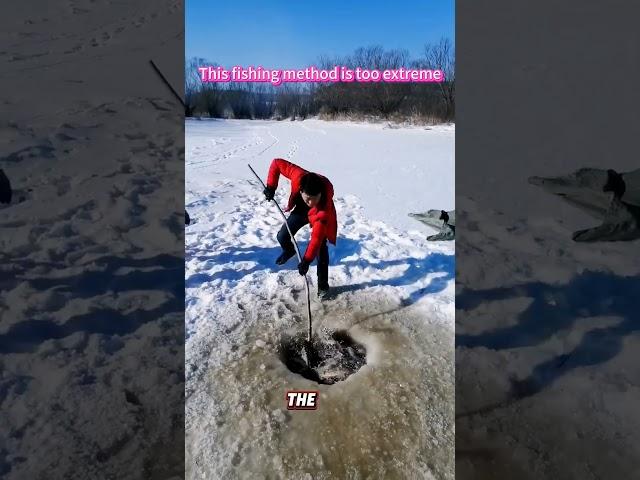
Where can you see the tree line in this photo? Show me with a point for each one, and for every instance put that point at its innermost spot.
(419, 102)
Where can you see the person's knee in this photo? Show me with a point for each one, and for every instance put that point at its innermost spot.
(282, 237)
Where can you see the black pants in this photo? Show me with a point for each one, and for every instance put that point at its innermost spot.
(296, 221)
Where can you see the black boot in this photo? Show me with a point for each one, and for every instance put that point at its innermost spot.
(323, 293)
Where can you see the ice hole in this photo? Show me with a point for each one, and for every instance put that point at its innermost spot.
(327, 360)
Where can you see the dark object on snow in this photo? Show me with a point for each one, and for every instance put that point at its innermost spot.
(433, 219)
(588, 189)
(5, 188)
(187, 218)
(447, 232)
(615, 184)
(132, 398)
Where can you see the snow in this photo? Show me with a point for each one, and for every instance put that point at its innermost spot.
(392, 171)
(546, 334)
(90, 256)
(394, 294)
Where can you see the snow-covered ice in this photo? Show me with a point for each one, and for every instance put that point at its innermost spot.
(394, 294)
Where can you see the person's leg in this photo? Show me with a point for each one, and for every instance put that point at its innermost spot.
(295, 222)
(323, 267)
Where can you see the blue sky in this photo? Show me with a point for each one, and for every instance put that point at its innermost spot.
(293, 34)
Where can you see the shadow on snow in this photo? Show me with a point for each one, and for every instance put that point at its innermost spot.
(263, 258)
(162, 273)
(555, 308)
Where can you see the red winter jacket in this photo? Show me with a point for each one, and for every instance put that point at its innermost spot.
(322, 218)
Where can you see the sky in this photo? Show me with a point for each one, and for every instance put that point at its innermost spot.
(293, 34)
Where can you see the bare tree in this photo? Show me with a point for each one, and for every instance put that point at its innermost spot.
(442, 56)
(374, 98)
(192, 83)
(263, 101)
(209, 100)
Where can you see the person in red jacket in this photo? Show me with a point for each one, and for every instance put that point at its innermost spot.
(310, 202)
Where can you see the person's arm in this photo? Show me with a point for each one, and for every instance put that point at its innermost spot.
(318, 235)
(281, 166)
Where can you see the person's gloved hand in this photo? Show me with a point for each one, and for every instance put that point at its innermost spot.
(269, 193)
(303, 267)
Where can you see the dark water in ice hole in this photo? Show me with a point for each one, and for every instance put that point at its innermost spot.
(327, 360)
